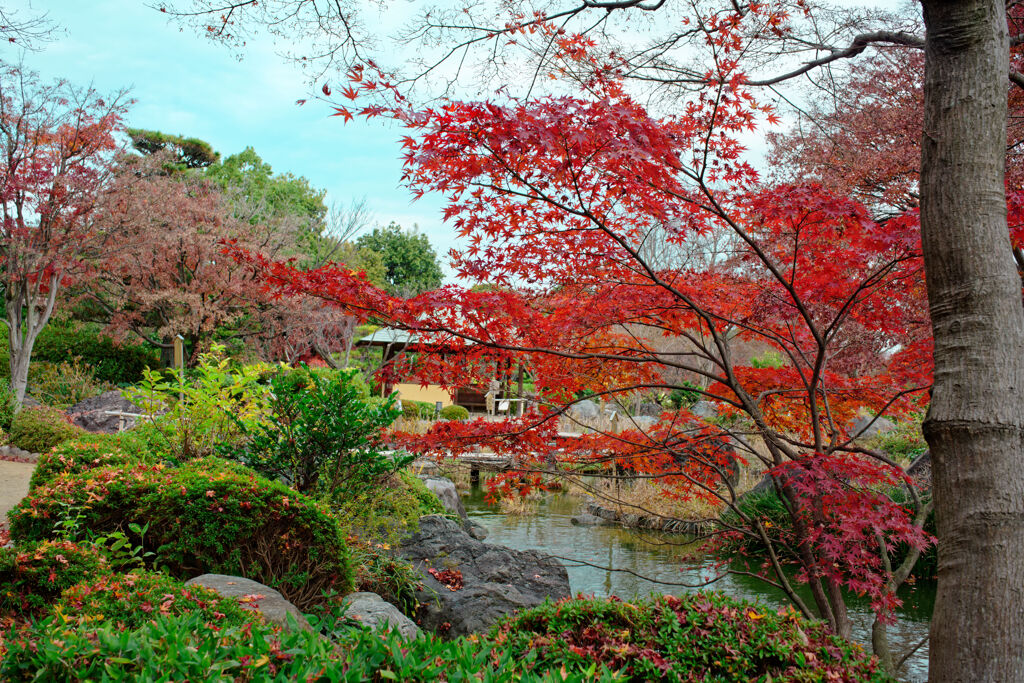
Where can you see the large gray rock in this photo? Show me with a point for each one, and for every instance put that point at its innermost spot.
(585, 410)
(445, 490)
(644, 423)
(496, 580)
(649, 409)
(704, 409)
(259, 598)
(587, 519)
(475, 529)
(374, 612)
(91, 414)
(867, 426)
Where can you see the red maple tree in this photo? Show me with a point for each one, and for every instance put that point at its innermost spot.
(56, 148)
(558, 198)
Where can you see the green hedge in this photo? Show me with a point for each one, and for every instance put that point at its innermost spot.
(207, 516)
(454, 412)
(701, 637)
(41, 428)
(109, 361)
(417, 409)
(86, 453)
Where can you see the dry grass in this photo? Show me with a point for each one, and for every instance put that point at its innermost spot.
(648, 497)
(410, 425)
(519, 505)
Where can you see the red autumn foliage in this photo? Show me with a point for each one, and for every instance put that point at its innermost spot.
(57, 144)
(558, 201)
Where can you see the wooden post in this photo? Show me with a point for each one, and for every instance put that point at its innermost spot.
(179, 364)
(474, 476)
(520, 391)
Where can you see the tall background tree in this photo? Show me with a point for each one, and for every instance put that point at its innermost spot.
(409, 262)
(57, 143)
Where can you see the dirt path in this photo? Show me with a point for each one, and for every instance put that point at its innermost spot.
(14, 478)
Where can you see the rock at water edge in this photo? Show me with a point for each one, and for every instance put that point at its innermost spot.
(496, 581)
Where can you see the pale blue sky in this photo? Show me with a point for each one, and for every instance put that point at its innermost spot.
(187, 85)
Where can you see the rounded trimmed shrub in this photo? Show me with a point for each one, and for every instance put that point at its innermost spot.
(40, 428)
(207, 516)
(454, 412)
(131, 600)
(699, 637)
(83, 454)
(33, 575)
(417, 409)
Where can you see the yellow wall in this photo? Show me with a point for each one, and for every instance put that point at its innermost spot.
(430, 393)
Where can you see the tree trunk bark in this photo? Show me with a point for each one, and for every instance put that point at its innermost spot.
(974, 423)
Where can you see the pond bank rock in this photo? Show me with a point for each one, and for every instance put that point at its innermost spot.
(635, 520)
(373, 611)
(446, 492)
(587, 519)
(496, 580)
(272, 605)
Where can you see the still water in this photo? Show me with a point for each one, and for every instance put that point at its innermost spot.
(644, 562)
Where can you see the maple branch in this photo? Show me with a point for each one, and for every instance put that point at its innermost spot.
(584, 563)
(857, 46)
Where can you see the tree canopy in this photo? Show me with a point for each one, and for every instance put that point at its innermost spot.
(409, 262)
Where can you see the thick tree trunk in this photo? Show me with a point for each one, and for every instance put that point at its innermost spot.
(974, 424)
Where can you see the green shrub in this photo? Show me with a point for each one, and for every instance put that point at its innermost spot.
(395, 580)
(33, 575)
(185, 647)
(454, 412)
(110, 361)
(904, 443)
(684, 396)
(701, 637)
(769, 359)
(427, 503)
(86, 453)
(321, 436)
(8, 405)
(417, 410)
(130, 600)
(210, 409)
(64, 384)
(388, 511)
(207, 516)
(39, 429)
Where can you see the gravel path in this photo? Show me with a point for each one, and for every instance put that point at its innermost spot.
(14, 478)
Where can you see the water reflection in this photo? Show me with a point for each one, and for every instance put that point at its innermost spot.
(644, 562)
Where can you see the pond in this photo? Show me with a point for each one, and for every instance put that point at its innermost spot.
(644, 562)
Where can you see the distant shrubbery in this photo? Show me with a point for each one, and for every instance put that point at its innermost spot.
(417, 410)
(39, 429)
(454, 412)
(109, 361)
